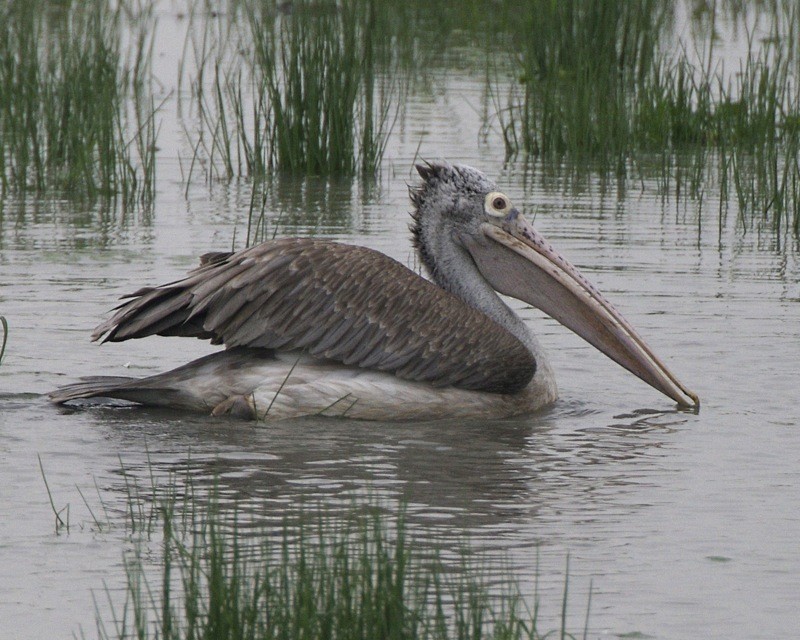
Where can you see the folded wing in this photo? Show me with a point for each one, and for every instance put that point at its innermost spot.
(341, 302)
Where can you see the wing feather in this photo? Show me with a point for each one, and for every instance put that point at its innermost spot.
(346, 303)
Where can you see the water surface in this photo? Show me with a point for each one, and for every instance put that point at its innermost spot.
(686, 524)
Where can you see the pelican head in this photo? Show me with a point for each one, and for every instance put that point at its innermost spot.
(469, 235)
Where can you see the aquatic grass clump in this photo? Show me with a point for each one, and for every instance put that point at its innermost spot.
(579, 62)
(598, 88)
(361, 576)
(305, 100)
(740, 131)
(65, 96)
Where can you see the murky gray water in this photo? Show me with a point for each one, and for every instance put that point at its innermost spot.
(688, 525)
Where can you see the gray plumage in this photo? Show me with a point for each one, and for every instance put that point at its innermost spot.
(335, 301)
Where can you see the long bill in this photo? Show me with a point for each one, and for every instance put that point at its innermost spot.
(519, 262)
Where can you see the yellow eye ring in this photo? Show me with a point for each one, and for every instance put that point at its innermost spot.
(496, 204)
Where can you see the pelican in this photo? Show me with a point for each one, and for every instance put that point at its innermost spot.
(318, 327)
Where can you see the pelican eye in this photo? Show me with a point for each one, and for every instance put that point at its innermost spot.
(497, 204)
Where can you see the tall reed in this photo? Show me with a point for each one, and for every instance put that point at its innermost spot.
(307, 99)
(64, 92)
(580, 62)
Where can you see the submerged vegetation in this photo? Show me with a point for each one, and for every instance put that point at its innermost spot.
(74, 117)
(217, 575)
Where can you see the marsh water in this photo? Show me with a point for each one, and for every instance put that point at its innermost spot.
(687, 525)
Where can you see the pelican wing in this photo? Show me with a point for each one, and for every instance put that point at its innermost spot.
(340, 302)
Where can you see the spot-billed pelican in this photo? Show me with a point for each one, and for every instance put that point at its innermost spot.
(318, 327)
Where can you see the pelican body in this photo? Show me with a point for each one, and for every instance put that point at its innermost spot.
(318, 327)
